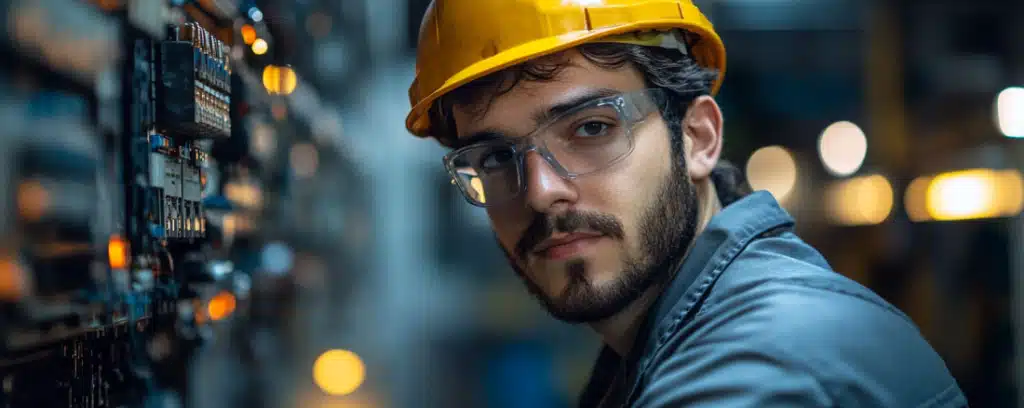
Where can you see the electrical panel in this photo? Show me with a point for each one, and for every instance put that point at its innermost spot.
(134, 202)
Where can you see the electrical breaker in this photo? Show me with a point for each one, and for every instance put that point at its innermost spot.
(176, 180)
(194, 94)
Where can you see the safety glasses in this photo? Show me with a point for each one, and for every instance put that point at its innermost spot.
(587, 138)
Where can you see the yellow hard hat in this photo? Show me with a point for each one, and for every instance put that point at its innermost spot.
(464, 40)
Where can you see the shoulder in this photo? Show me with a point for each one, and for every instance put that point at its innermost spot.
(831, 338)
(781, 284)
(783, 289)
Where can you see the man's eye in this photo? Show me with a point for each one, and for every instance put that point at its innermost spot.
(591, 129)
(496, 159)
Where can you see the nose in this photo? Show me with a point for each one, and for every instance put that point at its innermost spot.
(546, 190)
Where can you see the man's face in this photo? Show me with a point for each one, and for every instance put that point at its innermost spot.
(589, 247)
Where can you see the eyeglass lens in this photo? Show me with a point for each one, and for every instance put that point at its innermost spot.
(582, 141)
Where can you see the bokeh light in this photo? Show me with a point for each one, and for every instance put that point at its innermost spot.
(14, 282)
(248, 34)
(864, 200)
(1010, 111)
(339, 372)
(260, 46)
(221, 306)
(772, 168)
(966, 194)
(117, 252)
(842, 147)
(33, 200)
(279, 79)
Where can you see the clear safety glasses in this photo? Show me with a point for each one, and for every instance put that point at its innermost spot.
(587, 138)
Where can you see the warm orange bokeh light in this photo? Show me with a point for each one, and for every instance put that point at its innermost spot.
(33, 200)
(248, 34)
(117, 252)
(221, 306)
(13, 282)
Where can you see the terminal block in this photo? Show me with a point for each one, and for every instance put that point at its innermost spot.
(175, 175)
(194, 95)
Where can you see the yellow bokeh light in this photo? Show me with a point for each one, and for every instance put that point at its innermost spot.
(965, 195)
(244, 194)
(914, 199)
(260, 46)
(1011, 189)
(772, 168)
(339, 372)
(248, 34)
(279, 80)
(864, 200)
(961, 196)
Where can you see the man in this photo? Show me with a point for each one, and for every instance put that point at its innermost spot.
(588, 131)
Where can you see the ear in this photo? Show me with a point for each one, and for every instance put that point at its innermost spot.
(702, 137)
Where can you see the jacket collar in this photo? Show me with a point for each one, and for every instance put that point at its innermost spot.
(725, 236)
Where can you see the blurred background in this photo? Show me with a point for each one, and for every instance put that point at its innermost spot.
(892, 130)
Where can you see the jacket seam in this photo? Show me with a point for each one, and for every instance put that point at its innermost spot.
(945, 396)
(722, 258)
(828, 287)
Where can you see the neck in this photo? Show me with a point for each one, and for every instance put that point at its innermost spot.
(619, 331)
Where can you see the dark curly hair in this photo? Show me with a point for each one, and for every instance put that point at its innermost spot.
(679, 76)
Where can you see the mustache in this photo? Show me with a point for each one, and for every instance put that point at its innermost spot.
(544, 226)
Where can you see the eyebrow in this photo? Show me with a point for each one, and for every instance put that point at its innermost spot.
(486, 135)
(580, 98)
(542, 116)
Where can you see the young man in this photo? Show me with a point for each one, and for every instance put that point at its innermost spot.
(588, 130)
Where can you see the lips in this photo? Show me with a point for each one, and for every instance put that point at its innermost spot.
(559, 246)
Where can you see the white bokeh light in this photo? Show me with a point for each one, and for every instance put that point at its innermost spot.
(842, 147)
(1010, 111)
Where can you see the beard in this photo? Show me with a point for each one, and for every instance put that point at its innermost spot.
(666, 228)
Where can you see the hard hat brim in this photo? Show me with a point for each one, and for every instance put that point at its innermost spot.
(709, 52)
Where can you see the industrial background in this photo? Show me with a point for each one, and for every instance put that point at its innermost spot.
(261, 231)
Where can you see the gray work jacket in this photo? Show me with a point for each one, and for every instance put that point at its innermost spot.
(755, 317)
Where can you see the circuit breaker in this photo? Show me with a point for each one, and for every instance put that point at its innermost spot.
(194, 94)
(176, 180)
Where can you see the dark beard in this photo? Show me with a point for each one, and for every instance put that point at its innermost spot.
(666, 229)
